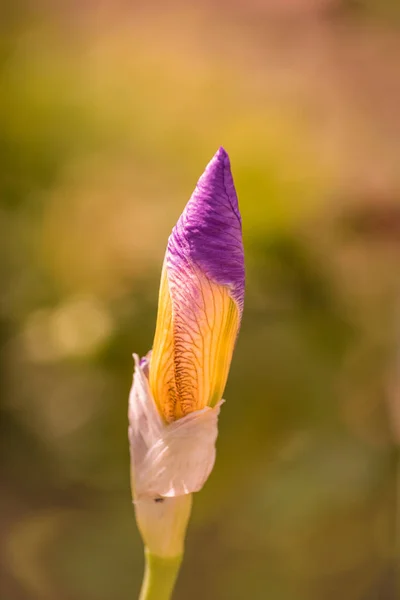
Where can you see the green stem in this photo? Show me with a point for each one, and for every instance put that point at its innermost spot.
(159, 577)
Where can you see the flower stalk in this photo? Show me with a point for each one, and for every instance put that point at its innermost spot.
(159, 576)
(162, 524)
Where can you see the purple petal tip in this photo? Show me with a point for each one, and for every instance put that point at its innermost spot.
(209, 231)
(217, 174)
(222, 154)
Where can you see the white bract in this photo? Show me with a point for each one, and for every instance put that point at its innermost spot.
(168, 459)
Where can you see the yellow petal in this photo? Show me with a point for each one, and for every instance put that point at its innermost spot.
(194, 341)
(162, 370)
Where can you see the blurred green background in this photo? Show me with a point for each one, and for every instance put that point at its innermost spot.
(109, 112)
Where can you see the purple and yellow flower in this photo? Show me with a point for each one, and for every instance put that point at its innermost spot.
(201, 298)
(177, 389)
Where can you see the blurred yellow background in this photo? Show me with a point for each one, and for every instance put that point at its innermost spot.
(109, 112)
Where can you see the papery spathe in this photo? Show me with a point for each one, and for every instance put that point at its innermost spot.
(171, 459)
